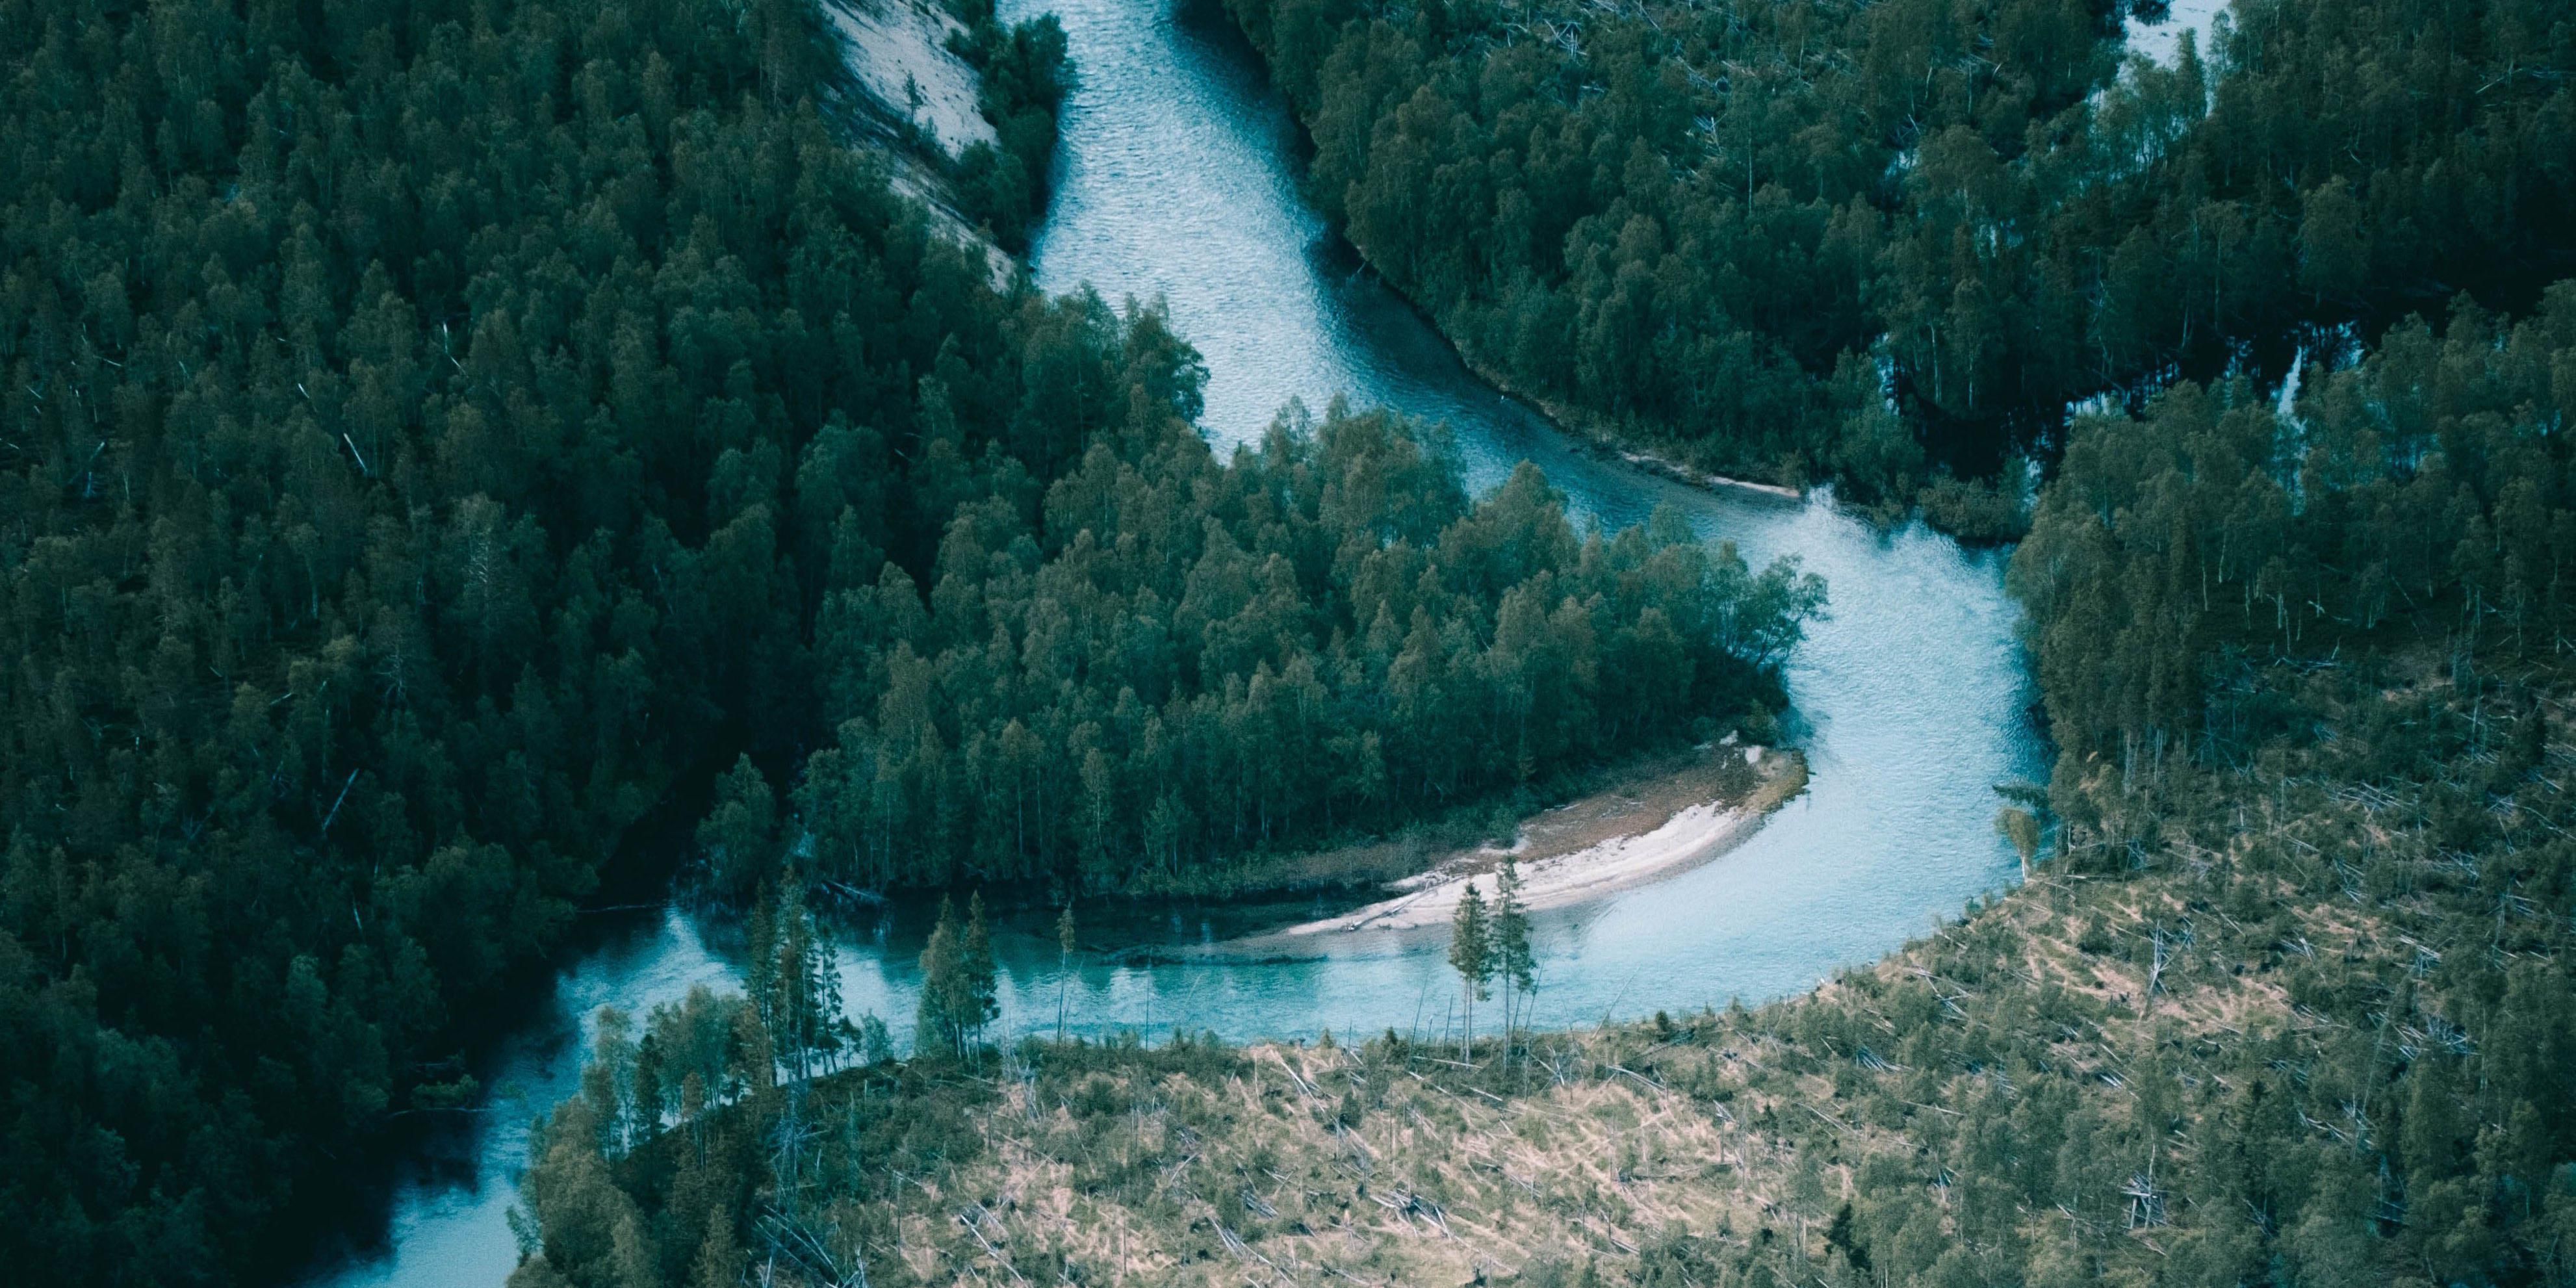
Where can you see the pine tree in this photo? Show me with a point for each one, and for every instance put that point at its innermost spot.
(957, 981)
(1064, 946)
(935, 1024)
(1471, 952)
(806, 1012)
(1514, 960)
(719, 1262)
(740, 835)
(2020, 827)
(760, 958)
(978, 1004)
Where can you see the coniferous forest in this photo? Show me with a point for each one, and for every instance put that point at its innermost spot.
(454, 454)
(2286, 999)
(436, 434)
(2285, 996)
(1880, 244)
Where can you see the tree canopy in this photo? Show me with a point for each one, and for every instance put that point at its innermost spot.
(1871, 242)
(1174, 662)
(2288, 998)
(433, 434)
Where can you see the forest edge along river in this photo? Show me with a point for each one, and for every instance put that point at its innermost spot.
(1177, 182)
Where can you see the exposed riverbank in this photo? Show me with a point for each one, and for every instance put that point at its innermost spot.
(911, 101)
(1681, 812)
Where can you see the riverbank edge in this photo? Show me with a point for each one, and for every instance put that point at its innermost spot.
(1700, 833)
(1593, 432)
(1589, 431)
(1417, 849)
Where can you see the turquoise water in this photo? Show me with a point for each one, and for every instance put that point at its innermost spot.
(1177, 181)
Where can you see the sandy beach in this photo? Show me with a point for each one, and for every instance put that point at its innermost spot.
(1592, 847)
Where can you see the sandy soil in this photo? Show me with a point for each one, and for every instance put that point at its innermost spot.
(898, 53)
(1638, 832)
(901, 71)
(1680, 473)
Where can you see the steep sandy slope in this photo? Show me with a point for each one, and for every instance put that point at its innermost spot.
(912, 99)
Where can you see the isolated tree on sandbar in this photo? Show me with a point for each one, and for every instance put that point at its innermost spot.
(1471, 952)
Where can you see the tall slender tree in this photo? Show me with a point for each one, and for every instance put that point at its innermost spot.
(805, 1012)
(977, 1000)
(936, 1024)
(2021, 827)
(1514, 961)
(1064, 946)
(957, 982)
(1471, 953)
(739, 837)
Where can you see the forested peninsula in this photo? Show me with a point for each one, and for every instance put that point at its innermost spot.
(439, 439)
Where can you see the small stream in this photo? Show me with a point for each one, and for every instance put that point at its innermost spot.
(1177, 181)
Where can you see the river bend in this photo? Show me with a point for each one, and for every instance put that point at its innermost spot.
(1177, 181)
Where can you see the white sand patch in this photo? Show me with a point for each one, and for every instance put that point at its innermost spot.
(1692, 836)
(1679, 473)
(2162, 40)
(897, 51)
(901, 71)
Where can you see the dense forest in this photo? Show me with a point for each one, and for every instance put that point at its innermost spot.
(400, 414)
(2285, 1001)
(2288, 999)
(1183, 661)
(436, 434)
(1873, 242)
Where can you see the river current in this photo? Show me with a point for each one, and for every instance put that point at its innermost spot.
(1178, 181)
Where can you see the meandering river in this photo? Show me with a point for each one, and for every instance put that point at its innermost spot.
(1178, 181)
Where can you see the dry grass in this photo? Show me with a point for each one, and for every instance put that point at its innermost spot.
(1313, 1164)
(1746, 1134)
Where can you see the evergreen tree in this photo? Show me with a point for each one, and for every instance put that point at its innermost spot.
(1065, 944)
(1471, 954)
(761, 985)
(938, 1023)
(1515, 960)
(806, 1016)
(719, 1260)
(979, 976)
(739, 837)
(958, 982)
(2020, 827)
